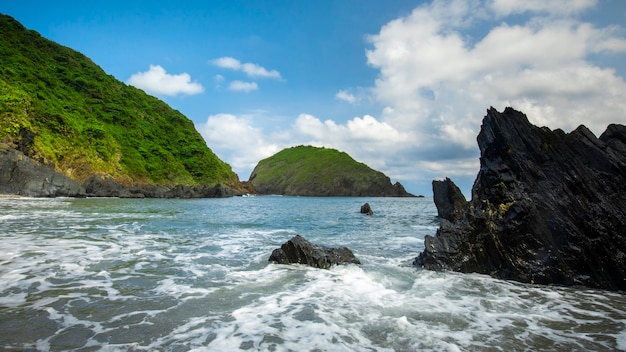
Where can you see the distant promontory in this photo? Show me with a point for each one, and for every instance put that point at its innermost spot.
(67, 128)
(314, 171)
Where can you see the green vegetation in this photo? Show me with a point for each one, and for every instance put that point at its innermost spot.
(312, 171)
(59, 107)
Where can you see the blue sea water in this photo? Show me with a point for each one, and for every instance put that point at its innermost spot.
(112, 274)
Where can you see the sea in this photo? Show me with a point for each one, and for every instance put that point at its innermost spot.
(108, 274)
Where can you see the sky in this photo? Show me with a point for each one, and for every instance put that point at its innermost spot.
(400, 85)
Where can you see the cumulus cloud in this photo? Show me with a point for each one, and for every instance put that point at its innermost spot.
(364, 138)
(439, 80)
(346, 96)
(250, 69)
(241, 86)
(442, 66)
(240, 142)
(157, 81)
(237, 141)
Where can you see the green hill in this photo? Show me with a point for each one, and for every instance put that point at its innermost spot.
(61, 109)
(312, 171)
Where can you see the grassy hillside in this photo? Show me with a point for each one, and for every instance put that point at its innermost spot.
(312, 171)
(60, 108)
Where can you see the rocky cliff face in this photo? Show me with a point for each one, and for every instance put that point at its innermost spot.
(24, 176)
(547, 207)
(21, 175)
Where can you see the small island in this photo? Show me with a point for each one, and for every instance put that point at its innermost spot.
(314, 171)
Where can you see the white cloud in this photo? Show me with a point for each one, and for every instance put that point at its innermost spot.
(365, 138)
(227, 62)
(438, 80)
(254, 70)
(440, 68)
(237, 142)
(240, 86)
(553, 7)
(250, 69)
(157, 81)
(345, 96)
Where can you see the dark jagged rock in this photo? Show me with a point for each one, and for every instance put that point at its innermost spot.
(449, 200)
(300, 251)
(367, 209)
(21, 175)
(547, 207)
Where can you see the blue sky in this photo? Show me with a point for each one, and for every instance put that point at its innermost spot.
(400, 85)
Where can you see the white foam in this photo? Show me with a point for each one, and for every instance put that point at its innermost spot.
(187, 275)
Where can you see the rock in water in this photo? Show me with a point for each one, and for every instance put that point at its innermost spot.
(300, 251)
(547, 207)
(367, 209)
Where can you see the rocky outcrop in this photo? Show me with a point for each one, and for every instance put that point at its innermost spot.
(449, 200)
(99, 186)
(21, 175)
(300, 251)
(547, 207)
(367, 209)
(24, 176)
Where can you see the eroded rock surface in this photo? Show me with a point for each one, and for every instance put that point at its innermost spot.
(300, 251)
(547, 207)
(21, 175)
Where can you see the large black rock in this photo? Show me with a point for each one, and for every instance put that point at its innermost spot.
(300, 251)
(547, 207)
(21, 175)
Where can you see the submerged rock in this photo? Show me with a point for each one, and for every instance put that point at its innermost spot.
(300, 251)
(547, 207)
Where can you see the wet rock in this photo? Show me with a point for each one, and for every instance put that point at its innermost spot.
(300, 251)
(547, 207)
(366, 209)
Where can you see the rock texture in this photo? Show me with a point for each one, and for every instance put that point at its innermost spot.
(300, 251)
(547, 207)
(449, 200)
(24, 176)
(21, 175)
(367, 209)
(98, 186)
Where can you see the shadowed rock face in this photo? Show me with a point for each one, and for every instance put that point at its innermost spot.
(300, 251)
(449, 200)
(547, 207)
(23, 176)
(367, 209)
